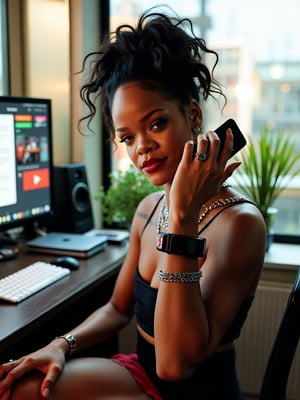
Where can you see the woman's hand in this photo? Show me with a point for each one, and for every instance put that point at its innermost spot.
(196, 179)
(49, 360)
(230, 169)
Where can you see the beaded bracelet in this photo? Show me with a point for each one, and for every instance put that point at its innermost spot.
(180, 277)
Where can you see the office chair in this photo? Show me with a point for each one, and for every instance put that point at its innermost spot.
(284, 347)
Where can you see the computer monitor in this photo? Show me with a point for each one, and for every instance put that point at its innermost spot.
(25, 160)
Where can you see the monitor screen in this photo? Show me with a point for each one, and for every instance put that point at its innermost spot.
(25, 160)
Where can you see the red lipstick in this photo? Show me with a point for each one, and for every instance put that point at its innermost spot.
(152, 165)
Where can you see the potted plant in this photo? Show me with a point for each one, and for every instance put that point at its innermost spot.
(268, 165)
(121, 199)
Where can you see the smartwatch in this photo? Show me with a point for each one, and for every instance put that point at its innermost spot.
(182, 245)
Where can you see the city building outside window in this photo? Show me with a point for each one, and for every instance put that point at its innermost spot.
(259, 70)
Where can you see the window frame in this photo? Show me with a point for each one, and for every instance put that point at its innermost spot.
(286, 238)
(4, 46)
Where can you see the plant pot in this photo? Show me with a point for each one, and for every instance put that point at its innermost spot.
(269, 220)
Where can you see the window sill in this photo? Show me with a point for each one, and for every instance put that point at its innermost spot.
(281, 263)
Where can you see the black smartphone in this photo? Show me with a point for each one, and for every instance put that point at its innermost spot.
(239, 140)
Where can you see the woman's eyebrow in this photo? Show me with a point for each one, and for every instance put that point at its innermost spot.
(123, 129)
(150, 113)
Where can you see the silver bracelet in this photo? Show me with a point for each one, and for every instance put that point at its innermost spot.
(72, 342)
(180, 277)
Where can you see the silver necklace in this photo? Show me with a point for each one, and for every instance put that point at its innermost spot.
(163, 218)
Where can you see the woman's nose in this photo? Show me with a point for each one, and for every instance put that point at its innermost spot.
(144, 146)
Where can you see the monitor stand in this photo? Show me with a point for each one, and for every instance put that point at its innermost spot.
(7, 240)
(31, 230)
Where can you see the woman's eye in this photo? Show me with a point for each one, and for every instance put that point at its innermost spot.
(125, 139)
(158, 124)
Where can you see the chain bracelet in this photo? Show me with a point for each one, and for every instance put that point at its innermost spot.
(180, 277)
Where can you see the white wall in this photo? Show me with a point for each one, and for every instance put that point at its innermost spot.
(47, 65)
(49, 39)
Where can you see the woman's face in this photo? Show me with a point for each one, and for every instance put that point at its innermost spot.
(153, 129)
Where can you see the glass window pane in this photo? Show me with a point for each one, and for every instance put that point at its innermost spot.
(259, 70)
(3, 49)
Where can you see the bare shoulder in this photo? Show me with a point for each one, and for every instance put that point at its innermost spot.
(235, 218)
(150, 201)
(245, 215)
(242, 222)
(146, 207)
(236, 239)
(241, 213)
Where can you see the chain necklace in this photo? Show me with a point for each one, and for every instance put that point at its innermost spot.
(163, 218)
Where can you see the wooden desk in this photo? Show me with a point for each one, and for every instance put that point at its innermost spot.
(59, 307)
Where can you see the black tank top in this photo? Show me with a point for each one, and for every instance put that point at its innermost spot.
(145, 295)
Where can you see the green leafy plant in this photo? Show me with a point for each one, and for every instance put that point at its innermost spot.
(121, 199)
(268, 166)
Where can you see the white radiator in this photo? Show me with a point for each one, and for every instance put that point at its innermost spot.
(254, 345)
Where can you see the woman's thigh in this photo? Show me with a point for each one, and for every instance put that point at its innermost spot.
(86, 378)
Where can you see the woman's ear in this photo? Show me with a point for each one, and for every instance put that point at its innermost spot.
(195, 114)
(195, 117)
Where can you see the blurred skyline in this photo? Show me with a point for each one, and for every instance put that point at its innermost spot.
(271, 28)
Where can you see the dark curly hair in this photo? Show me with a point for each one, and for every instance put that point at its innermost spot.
(159, 54)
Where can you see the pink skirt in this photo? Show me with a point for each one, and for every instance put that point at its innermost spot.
(131, 362)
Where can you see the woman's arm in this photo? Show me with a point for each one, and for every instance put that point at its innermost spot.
(191, 319)
(101, 324)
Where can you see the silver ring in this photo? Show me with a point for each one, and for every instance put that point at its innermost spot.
(12, 363)
(201, 156)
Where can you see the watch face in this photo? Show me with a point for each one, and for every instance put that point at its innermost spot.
(159, 241)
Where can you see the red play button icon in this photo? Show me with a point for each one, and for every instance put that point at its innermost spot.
(36, 179)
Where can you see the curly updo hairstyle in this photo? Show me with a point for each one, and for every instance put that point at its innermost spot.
(159, 54)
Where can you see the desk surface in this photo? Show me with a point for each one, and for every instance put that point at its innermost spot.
(19, 320)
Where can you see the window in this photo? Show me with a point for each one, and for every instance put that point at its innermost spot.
(3, 49)
(259, 69)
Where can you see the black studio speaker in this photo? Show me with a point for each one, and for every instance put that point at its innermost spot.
(71, 200)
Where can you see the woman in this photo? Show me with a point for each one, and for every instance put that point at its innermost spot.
(153, 84)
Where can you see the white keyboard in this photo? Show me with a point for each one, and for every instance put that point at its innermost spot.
(29, 280)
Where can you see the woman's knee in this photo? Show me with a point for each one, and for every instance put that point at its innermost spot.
(82, 379)
(28, 387)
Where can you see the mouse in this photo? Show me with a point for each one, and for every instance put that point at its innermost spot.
(66, 262)
(8, 254)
